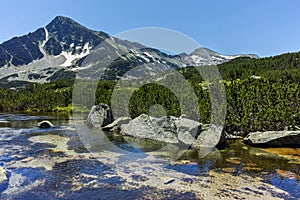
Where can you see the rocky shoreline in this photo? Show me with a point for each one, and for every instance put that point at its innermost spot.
(180, 130)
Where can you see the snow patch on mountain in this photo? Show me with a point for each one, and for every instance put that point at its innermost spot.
(42, 43)
(70, 57)
(197, 59)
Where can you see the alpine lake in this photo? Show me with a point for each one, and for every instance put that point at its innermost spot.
(54, 163)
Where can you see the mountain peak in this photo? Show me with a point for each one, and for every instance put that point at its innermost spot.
(62, 18)
(64, 43)
(62, 21)
(208, 53)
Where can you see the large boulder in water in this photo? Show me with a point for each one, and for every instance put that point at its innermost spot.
(45, 124)
(273, 138)
(167, 129)
(100, 115)
(187, 130)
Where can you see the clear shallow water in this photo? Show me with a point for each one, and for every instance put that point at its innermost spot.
(54, 164)
(23, 120)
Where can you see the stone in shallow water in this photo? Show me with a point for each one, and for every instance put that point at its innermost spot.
(288, 174)
(228, 169)
(234, 161)
(45, 124)
(273, 138)
(148, 127)
(167, 129)
(100, 115)
(117, 124)
(248, 168)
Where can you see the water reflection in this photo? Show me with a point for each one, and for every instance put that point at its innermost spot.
(28, 120)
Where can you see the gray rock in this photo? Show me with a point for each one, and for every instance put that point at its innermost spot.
(45, 124)
(166, 129)
(100, 115)
(210, 137)
(234, 136)
(148, 127)
(273, 138)
(116, 125)
(187, 130)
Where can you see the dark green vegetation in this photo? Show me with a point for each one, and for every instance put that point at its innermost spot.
(37, 97)
(268, 101)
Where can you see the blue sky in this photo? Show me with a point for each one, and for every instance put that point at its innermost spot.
(264, 27)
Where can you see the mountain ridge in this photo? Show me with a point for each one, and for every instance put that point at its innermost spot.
(63, 43)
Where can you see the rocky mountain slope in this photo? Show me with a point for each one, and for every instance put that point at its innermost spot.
(59, 51)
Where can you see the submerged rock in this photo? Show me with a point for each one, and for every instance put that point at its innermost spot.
(45, 124)
(116, 125)
(3, 176)
(169, 181)
(100, 115)
(167, 129)
(273, 138)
